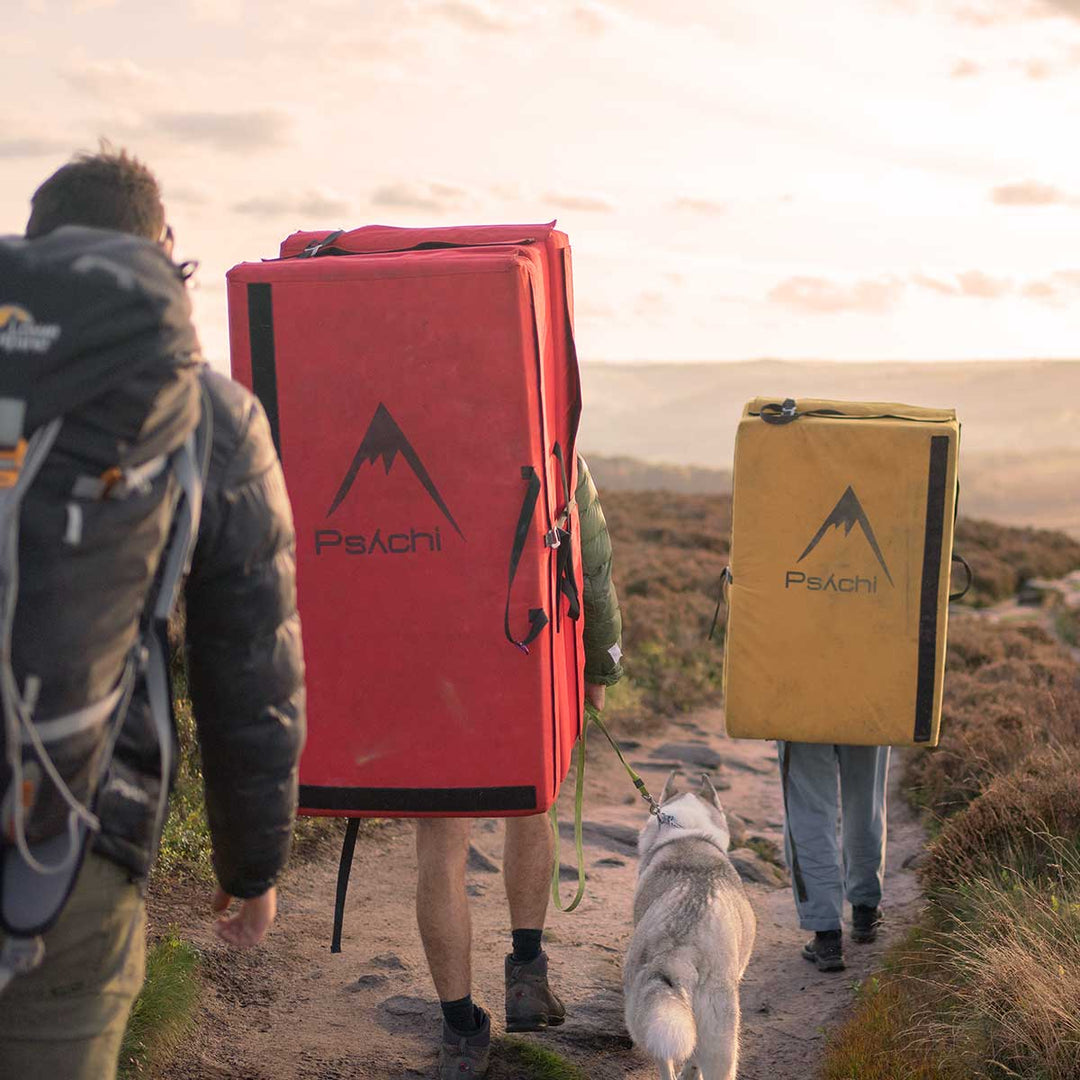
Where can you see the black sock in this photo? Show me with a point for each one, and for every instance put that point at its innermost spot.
(526, 945)
(462, 1015)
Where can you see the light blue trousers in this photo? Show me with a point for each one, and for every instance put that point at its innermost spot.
(824, 868)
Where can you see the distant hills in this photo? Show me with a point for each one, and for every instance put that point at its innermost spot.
(672, 426)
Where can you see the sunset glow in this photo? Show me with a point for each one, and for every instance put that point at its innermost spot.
(867, 179)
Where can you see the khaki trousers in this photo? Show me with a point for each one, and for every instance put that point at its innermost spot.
(66, 1020)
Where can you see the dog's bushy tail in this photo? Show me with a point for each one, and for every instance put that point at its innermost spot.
(665, 1023)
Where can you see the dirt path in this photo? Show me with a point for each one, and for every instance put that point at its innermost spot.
(293, 1011)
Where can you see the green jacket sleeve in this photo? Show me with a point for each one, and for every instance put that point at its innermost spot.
(600, 604)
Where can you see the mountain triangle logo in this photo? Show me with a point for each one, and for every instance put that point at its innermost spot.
(385, 439)
(848, 513)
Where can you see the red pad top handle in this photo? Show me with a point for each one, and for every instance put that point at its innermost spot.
(376, 239)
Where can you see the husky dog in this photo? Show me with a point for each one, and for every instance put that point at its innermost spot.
(693, 933)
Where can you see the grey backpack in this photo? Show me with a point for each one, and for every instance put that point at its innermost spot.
(104, 443)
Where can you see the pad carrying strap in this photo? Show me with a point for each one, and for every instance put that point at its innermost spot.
(537, 617)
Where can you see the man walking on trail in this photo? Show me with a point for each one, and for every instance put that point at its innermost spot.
(442, 845)
(64, 1020)
(825, 871)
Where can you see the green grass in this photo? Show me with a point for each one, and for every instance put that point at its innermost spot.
(164, 1011)
(1067, 624)
(185, 840)
(523, 1060)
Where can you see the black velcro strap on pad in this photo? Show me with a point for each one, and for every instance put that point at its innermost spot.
(931, 586)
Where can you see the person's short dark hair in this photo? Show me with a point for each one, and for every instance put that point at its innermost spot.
(107, 190)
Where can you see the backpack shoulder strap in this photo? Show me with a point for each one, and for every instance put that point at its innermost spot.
(190, 465)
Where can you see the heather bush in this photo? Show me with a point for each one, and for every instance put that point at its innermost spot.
(1003, 558)
(1019, 828)
(669, 553)
(1008, 692)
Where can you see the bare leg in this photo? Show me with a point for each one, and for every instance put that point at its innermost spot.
(442, 906)
(528, 858)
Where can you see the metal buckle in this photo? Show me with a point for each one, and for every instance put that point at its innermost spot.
(552, 540)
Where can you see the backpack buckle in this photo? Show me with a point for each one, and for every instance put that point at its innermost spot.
(11, 463)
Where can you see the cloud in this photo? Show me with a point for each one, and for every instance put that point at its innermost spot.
(973, 284)
(1057, 289)
(822, 296)
(419, 196)
(1043, 291)
(230, 132)
(1037, 69)
(588, 204)
(982, 286)
(188, 196)
(965, 69)
(220, 12)
(311, 204)
(1066, 7)
(592, 18)
(32, 148)
(108, 78)
(1030, 193)
(651, 304)
(692, 205)
(987, 13)
(473, 17)
(594, 310)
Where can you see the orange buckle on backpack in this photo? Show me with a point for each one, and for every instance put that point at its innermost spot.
(11, 462)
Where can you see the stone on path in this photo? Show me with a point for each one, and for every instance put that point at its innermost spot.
(622, 839)
(389, 961)
(698, 754)
(752, 867)
(481, 863)
(408, 1005)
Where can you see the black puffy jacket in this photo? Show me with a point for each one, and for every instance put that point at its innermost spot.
(245, 667)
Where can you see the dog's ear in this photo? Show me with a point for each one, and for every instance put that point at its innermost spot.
(709, 792)
(669, 791)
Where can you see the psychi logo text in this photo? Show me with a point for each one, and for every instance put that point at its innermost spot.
(384, 439)
(846, 514)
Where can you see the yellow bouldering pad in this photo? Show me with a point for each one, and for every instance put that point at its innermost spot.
(842, 536)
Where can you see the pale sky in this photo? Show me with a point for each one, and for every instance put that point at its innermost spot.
(850, 179)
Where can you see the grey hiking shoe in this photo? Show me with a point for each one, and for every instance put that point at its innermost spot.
(826, 950)
(464, 1056)
(865, 922)
(530, 1004)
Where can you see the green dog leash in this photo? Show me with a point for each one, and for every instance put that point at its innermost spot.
(592, 716)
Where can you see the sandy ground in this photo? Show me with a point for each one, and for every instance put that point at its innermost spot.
(292, 1011)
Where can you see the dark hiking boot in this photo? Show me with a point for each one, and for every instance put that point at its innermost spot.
(826, 950)
(864, 923)
(530, 1004)
(464, 1056)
